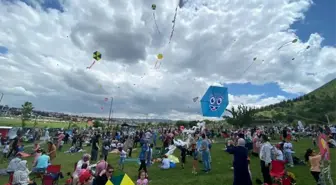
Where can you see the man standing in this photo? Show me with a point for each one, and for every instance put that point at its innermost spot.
(95, 147)
(266, 159)
(14, 146)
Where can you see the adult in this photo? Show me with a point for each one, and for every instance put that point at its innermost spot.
(60, 138)
(95, 147)
(85, 160)
(21, 175)
(104, 176)
(106, 148)
(205, 153)
(265, 156)
(14, 146)
(143, 156)
(51, 150)
(41, 163)
(13, 164)
(101, 165)
(241, 174)
(129, 145)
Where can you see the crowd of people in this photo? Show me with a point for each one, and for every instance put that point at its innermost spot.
(94, 168)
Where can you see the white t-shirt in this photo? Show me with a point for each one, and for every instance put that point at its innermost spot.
(279, 155)
(5, 149)
(148, 135)
(122, 154)
(288, 147)
(165, 163)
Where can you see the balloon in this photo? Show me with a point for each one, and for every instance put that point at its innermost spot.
(160, 56)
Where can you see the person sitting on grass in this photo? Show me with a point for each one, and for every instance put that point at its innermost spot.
(165, 163)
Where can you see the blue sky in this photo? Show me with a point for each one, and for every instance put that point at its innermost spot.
(320, 18)
(3, 50)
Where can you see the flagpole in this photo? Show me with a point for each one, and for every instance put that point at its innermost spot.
(110, 111)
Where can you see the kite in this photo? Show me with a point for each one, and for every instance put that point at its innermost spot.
(323, 146)
(287, 43)
(158, 63)
(214, 101)
(195, 99)
(123, 179)
(254, 59)
(173, 27)
(154, 8)
(96, 56)
(102, 107)
(306, 48)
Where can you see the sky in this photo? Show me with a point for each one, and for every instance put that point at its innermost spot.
(47, 45)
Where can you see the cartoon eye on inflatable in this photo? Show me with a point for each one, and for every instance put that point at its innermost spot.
(212, 100)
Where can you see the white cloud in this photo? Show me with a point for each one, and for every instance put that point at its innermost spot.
(214, 41)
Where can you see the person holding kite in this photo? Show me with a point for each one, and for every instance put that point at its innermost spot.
(314, 162)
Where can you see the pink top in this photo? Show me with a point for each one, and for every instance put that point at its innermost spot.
(102, 165)
(142, 182)
(315, 163)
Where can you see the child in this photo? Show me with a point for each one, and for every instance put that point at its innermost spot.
(122, 158)
(5, 150)
(183, 155)
(142, 180)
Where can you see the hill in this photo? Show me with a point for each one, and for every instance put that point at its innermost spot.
(315, 107)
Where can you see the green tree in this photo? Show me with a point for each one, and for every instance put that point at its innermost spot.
(27, 109)
(97, 123)
(240, 116)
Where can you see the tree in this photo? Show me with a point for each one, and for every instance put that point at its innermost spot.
(240, 116)
(97, 123)
(27, 109)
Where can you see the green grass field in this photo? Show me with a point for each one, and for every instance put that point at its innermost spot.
(220, 174)
(41, 124)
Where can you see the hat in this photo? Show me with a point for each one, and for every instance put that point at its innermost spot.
(84, 176)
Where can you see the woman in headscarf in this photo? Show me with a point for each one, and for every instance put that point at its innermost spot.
(21, 175)
(85, 159)
(240, 163)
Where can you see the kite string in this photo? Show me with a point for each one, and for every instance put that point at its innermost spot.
(173, 27)
(91, 65)
(157, 28)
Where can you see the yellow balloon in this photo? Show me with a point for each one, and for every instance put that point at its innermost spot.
(160, 56)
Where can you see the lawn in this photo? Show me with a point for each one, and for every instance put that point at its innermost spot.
(15, 122)
(220, 174)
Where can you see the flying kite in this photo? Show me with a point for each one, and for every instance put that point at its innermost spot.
(96, 56)
(102, 106)
(154, 8)
(158, 63)
(287, 43)
(215, 101)
(195, 99)
(254, 59)
(306, 48)
(173, 27)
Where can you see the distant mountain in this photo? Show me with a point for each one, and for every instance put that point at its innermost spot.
(315, 107)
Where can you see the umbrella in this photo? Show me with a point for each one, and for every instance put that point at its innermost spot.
(123, 179)
(214, 101)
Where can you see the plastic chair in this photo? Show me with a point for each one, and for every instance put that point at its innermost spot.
(10, 179)
(48, 178)
(278, 170)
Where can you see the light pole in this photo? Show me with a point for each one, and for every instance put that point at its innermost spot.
(1, 97)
